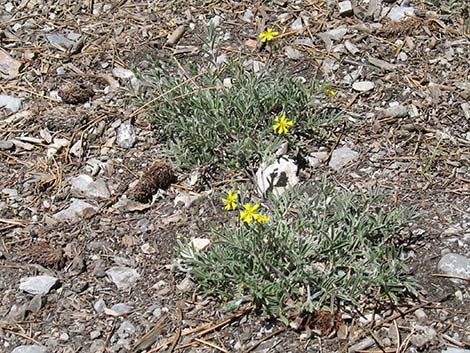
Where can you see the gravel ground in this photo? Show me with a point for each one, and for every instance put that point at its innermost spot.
(86, 267)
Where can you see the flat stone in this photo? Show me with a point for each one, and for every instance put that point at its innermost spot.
(199, 243)
(36, 304)
(384, 65)
(351, 47)
(297, 25)
(278, 176)
(77, 210)
(38, 284)
(292, 53)
(345, 8)
(123, 277)
(398, 13)
(455, 350)
(84, 185)
(126, 329)
(9, 67)
(342, 156)
(6, 145)
(456, 265)
(29, 349)
(395, 111)
(59, 41)
(121, 308)
(363, 86)
(10, 103)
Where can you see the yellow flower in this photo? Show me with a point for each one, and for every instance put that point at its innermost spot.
(282, 124)
(329, 91)
(260, 218)
(248, 214)
(230, 203)
(268, 35)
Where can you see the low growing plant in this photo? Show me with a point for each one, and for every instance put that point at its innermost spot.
(317, 248)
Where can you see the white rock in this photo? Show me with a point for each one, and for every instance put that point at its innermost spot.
(38, 284)
(77, 210)
(248, 16)
(345, 8)
(186, 198)
(10, 103)
(84, 186)
(123, 73)
(363, 86)
(123, 277)
(351, 47)
(29, 349)
(315, 159)
(456, 265)
(59, 41)
(277, 176)
(125, 135)
(342, 156)
(398, 13)
(199, 243)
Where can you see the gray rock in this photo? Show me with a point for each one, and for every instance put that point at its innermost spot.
(10, 103)
(384, 65)
(315, 159)
(97, 346)
(9, 67)
(83, 185)
(364, 344)
(456, 265)
(185, 285)
(125, 330)
(126, 135)
(38, 284)
(455, 350)
(398, 13)
(35, 305)
(59, 41)
(29, 349)
(99, 269)
(345, 8)
(424, 336)
(363, 86)
(292, 53)
(337, 34)
(77, 210)
(342, 156)
(6, 145)
(395, 111)
(123, 277)
(121, 308)
(297, 25)
(248, 16)
(17, 313)
(277, 177)
(99, 306)
(351, 47)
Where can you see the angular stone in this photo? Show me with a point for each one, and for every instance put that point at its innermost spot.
(59, 41)
(398, 13)
(38, 284)
(395, 111)
(77, 210)
(83, 185)
(126, 135)
(342, 156)
(6, 145)
(345, 8)
(10, 103)
(456, 265)
(9, 67)
(123, 277)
